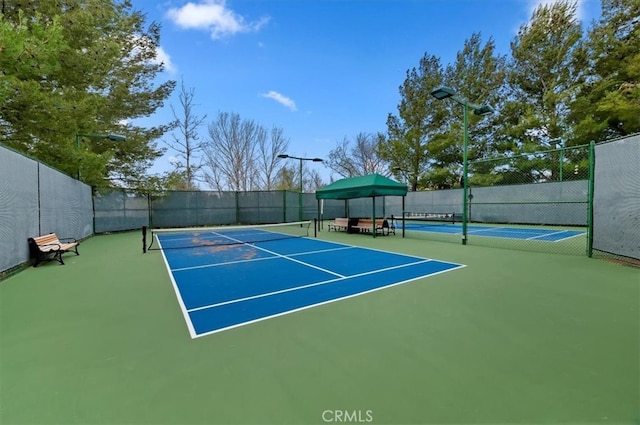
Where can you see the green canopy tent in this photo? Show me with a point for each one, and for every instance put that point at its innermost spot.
(368, 186)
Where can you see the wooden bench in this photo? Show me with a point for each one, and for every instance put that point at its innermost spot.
(339, 224)
(49, 247)
(365, 225)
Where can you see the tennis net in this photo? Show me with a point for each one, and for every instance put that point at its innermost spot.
(193, 237)
(413, 219)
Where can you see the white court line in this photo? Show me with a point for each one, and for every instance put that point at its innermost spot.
(545, 235)
(488, 229)
(322, 250)
(295, 288)
(237, 325)
(204, 266)
(285, 257)
(183, 308)
(570, 237)
(189, 323)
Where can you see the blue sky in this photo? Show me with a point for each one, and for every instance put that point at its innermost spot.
(319, 69)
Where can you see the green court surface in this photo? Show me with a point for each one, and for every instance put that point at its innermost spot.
(512, 338)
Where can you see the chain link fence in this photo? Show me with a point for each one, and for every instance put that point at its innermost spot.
(574, 200)
(535, 201)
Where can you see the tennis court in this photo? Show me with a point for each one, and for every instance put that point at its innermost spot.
(512, 337)
(236, 276)
(497, 231)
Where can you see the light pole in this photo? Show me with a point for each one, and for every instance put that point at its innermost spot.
(114, 137)
(441, 93)
(285, 156)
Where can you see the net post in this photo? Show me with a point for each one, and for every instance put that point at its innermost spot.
(144, 239)
(403, 214)
(315, 227)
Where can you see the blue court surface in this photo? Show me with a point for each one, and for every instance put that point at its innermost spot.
(220, 287)
(524, 233)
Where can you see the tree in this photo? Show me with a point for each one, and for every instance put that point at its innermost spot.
(288, 178)
(478, 75)
(542, 79)
(242, 155)
(186, 143)
(267, 161)
(29, 49)
(231, 152)
(105, 79)
(360, 159)
(419, 115)
(608, 102)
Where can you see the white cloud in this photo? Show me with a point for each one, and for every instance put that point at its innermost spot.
(163, 57)
(212, 16)
(281, 99)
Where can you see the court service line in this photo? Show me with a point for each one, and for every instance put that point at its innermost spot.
(285, 257)
(310, 285)
(295, 310)
(205, 266)
(489, 229)
(545, 235)
(319, 251)
(570, 237)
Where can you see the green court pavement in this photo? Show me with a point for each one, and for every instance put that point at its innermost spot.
(513, 338)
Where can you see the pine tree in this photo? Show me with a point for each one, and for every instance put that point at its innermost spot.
(608, 104)
(104, 79)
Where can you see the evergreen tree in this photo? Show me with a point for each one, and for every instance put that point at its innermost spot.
(478, 75)
(104, 79)
(608, 104)
(419, 115)
(542, 79)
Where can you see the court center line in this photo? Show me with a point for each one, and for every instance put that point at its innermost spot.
(296, 288)
(204, 266)
(283, 256)
(333, 300)
(322, 250)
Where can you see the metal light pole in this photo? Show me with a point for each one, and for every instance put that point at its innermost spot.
(114, 137)
(447, 92)
(285, 156)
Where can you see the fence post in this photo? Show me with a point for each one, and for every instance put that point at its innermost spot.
(592, 162)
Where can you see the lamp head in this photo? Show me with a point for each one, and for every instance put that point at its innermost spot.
(116, 137)
(283, 156)
(317, 159)
(443, 92)
(483, 110)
